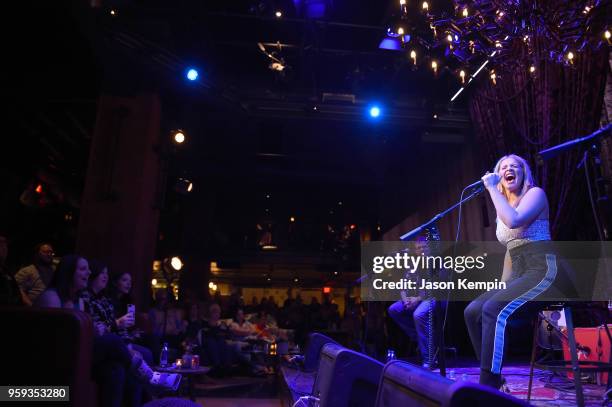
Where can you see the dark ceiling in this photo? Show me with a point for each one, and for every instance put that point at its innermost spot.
(300, 136)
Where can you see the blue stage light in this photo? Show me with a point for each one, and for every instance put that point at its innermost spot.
(374, 111)
(192, 74)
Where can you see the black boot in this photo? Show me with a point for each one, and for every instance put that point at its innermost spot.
(494, 380)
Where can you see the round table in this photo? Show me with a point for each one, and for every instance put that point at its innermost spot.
(187, 373)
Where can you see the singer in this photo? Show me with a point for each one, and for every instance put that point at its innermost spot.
(529, 271)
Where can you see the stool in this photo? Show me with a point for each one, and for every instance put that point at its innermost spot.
(573, 365)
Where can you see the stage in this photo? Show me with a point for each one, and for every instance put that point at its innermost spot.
(517, 379)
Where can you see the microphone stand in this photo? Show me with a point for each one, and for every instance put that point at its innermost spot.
(438, 307)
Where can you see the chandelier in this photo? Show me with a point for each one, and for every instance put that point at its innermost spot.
(505, 35)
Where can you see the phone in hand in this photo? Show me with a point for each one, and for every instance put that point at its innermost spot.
(131, 309)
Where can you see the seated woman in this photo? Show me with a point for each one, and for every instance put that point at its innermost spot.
(101, 309)
(67, 290)
(240, 328)
(215, 351)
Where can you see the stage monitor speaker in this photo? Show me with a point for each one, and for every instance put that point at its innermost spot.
(464, 393)
(405, 384)
(346, 378)
(316, 341)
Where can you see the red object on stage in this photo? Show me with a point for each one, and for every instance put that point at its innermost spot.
(593, 344)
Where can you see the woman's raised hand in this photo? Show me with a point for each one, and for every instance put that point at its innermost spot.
(490, 179)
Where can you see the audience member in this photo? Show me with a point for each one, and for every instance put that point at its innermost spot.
(36, 277)
(9, 290)
(68, 290)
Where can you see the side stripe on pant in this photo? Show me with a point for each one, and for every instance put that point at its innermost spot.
(508, 310)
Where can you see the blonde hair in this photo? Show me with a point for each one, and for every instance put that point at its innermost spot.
(528, 182)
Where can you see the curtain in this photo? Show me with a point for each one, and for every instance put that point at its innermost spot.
(526, 112)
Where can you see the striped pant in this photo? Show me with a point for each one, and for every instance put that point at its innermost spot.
(533, 273)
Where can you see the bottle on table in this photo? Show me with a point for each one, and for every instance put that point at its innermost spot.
(163, 357)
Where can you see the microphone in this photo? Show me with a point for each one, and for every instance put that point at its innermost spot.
(479, 183)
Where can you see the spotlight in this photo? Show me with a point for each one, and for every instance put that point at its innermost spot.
(192, 74)
(532, 69)
(400, 31)
(374, 111)
(434, 66)
(278, 14)
(176, 263)
(179, 137)
(183, 186)
(113, 13)
(570, 56)
(607, 34)
(449, 38)
(413, 56)
(462, 75)
(425, 6)
(292, 219)
(465, 12)
(154, 282)
(295, 280)
(402, 2)
(493, 77)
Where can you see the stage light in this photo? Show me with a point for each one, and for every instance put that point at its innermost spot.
(402, 2)
(413, 56)
(211, 284)
(465, 12)
(374, 113)
(278, 14)
(400, 31)
(183, 186)
(192, 74)
(449, 38)
(607, 34)
(493, 77)
(462, 75)
(295, 280)
(179, 137)
(327, 290)
(498, 44)
(570, 56)
(39, 189)
(292, 219)
(176, 263)
(425, 6)
(113, 13)
(532, 69)
(434, 66)
(154, 282)
(435, 116)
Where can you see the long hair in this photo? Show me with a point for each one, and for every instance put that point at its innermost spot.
(119, 300)
(63, 278)
(96, 267)
(528, 181)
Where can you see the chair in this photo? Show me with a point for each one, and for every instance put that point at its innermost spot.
(574, 365)
(51, 347)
